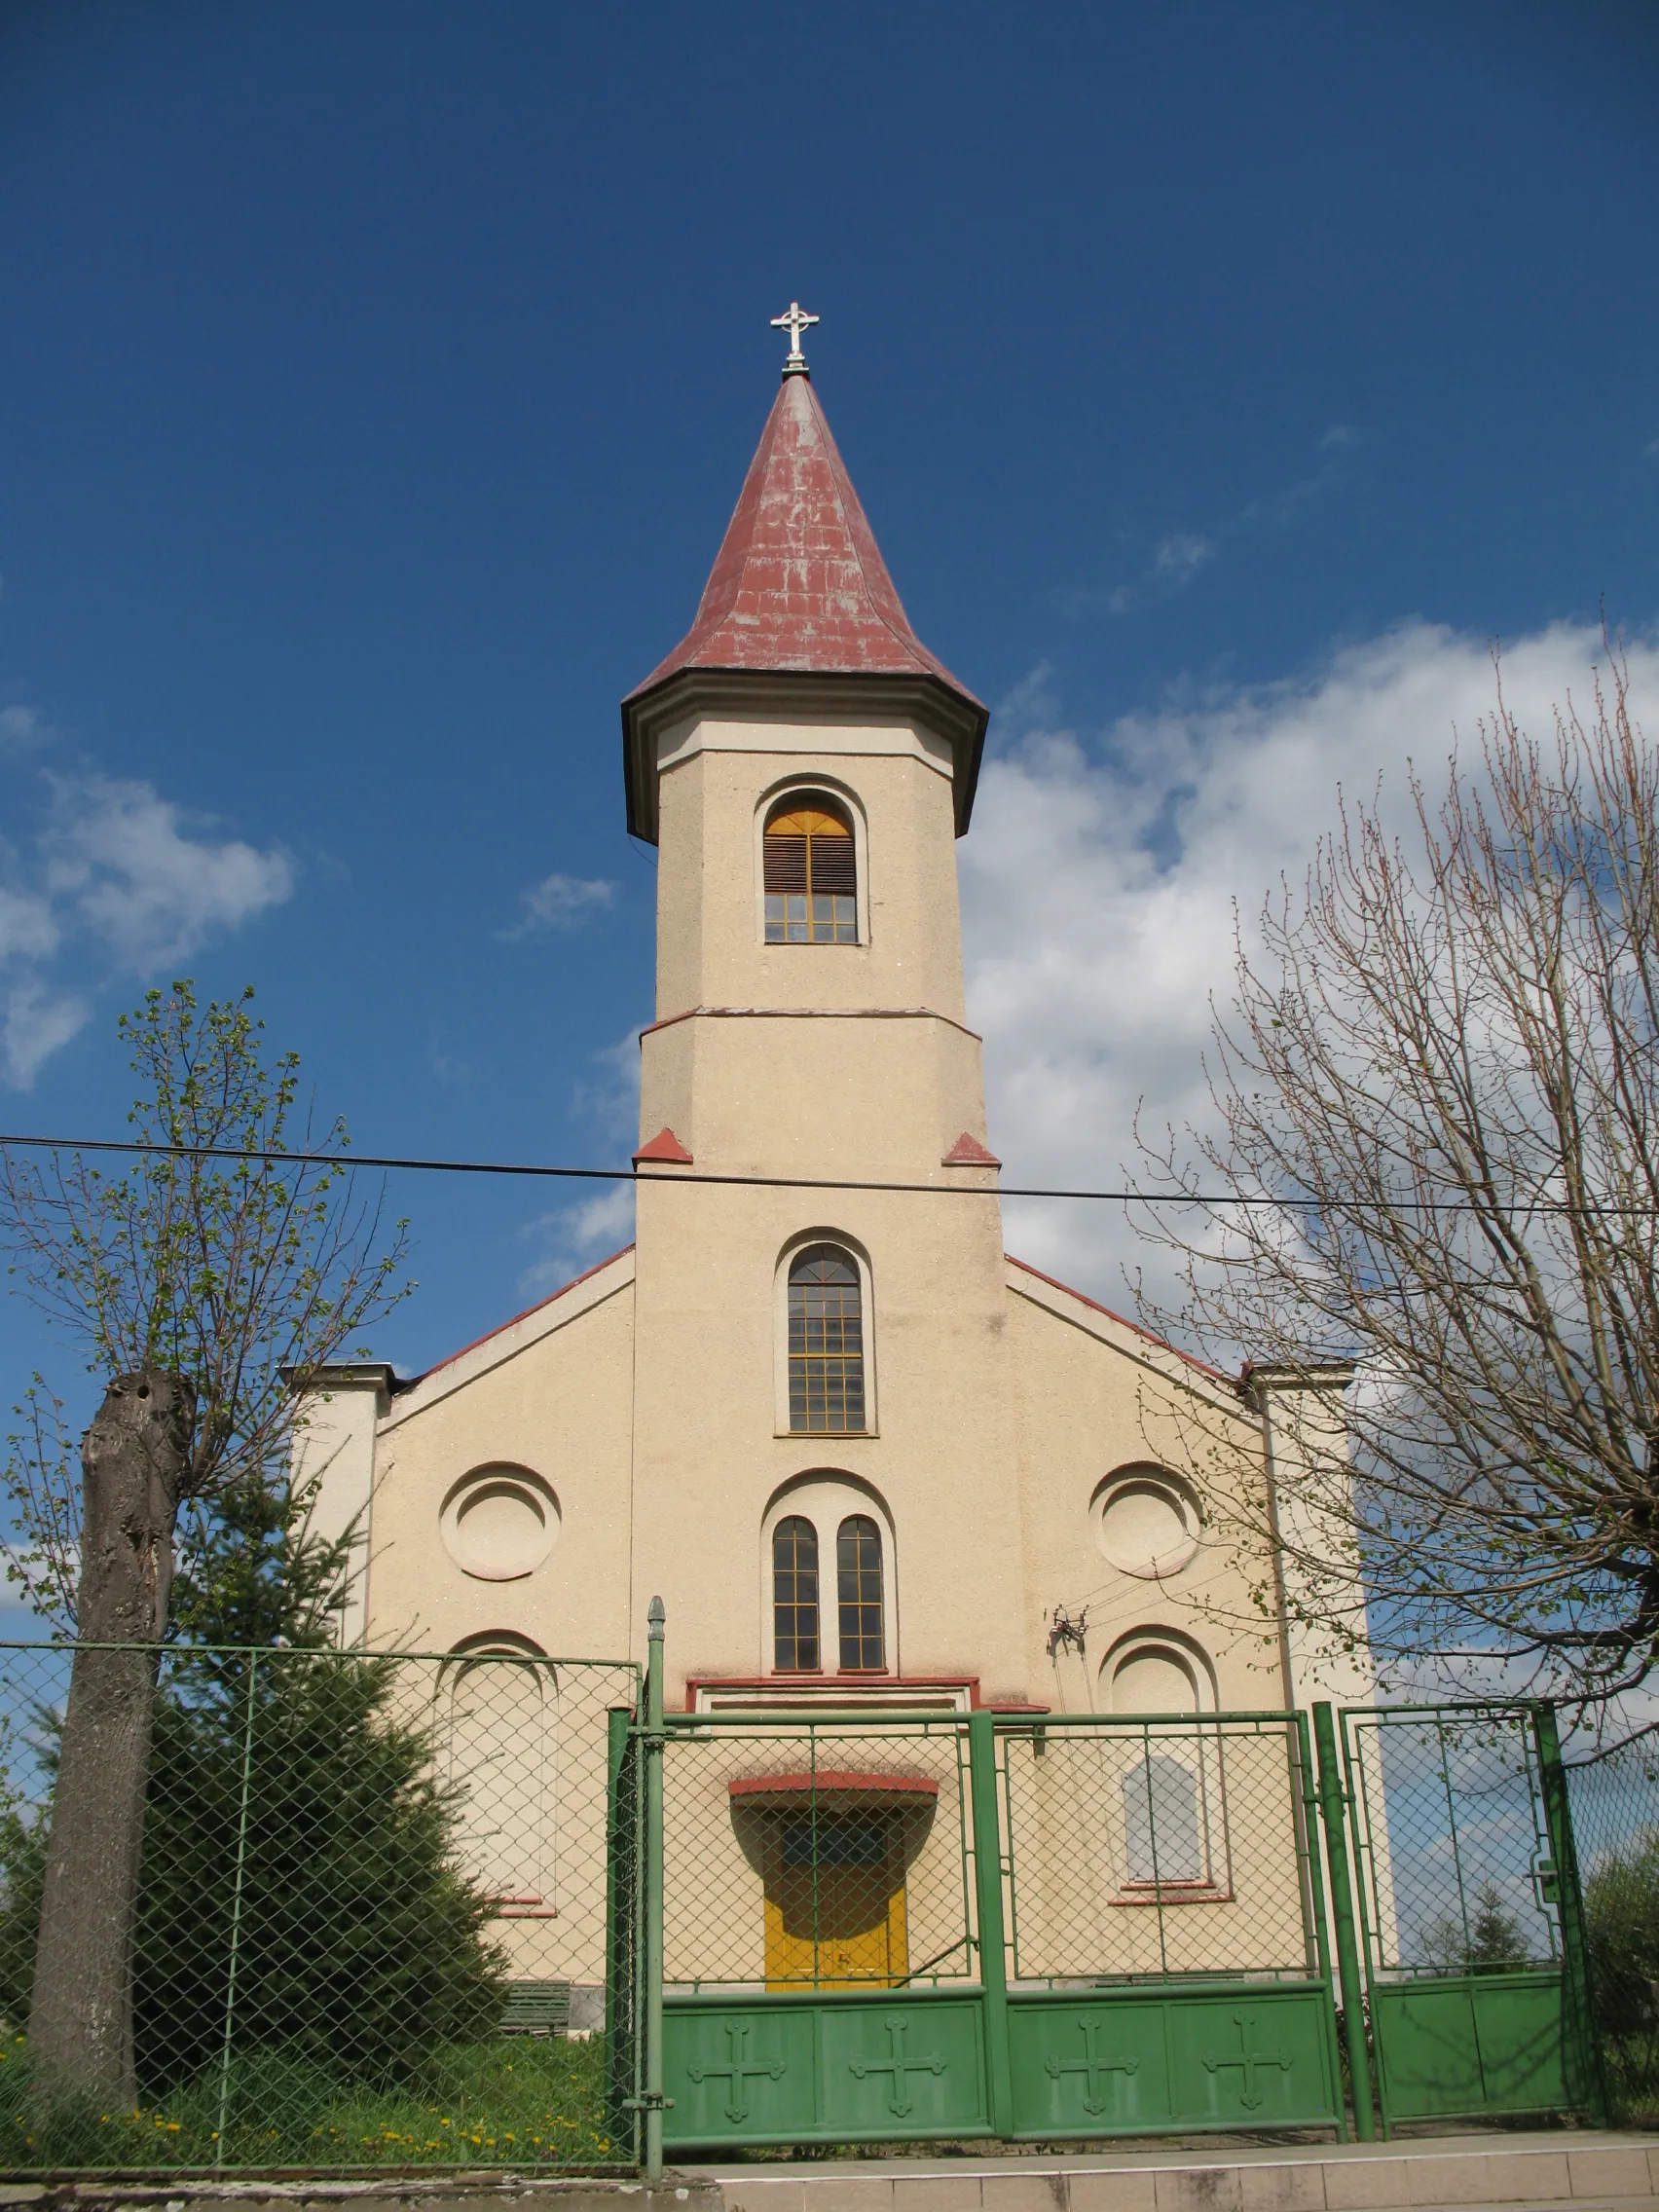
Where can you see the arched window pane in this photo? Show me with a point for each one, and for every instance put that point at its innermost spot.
(857, 1574)
(1162, 1830)
(794, 1596)
(811, 878)
(826, 1392)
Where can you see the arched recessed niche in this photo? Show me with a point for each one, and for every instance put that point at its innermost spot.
(500, 1523)
(1157, 1670)
(1147, 1523)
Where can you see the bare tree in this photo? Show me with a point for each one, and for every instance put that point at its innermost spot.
(1436, 1149)
(194, 1283)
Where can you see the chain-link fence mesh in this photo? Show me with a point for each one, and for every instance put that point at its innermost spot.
(1614, 1797)
(1140, 1849)
(1457, 1871)
(798, 1856)
(371, 1925)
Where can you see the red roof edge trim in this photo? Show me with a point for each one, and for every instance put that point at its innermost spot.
(665, 1145)
(1082, 1298)
(502, 1327)
(839, 1779)
(969, 1152)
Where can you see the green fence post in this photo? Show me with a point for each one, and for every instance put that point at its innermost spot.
(651, 1933)
(236, 1917)
(1578, 2037)
(1333, 1811)
(988, 1882)
(618, 1896)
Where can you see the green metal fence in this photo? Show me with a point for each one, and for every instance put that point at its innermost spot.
(957, 1925)
(378, 1922)
(485, 1908)
(1470, 1922)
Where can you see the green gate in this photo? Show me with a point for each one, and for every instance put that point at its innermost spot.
(1471, 1925)
(952, 1925)
(1165, 1926)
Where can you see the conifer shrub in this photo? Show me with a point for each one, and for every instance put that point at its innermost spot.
(294, 1803)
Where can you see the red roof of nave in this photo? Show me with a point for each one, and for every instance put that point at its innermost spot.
(799, 582)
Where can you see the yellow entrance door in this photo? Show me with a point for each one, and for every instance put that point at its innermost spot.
(836, 1906)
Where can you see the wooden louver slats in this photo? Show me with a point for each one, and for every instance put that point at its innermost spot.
(810, 873)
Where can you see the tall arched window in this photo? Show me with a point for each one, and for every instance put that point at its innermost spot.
(811, 875)
(858, 1592)
(826, 1389)
(794, 1597)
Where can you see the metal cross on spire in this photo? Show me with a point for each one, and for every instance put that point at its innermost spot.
(794, 322)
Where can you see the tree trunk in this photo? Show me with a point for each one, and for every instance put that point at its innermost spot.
(133, 1461)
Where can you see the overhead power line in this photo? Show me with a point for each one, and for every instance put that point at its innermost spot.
(536, 1169)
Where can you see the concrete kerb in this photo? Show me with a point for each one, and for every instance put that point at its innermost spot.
(1588, 2172)
(459, 2192)
(1604, 2170)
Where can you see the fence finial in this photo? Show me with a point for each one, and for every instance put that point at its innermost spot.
(656, 1614)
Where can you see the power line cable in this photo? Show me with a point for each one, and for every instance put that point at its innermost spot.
(533, 1168)
(536, 1169)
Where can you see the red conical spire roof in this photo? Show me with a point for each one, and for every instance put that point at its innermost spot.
(799, 581)
(800, 588)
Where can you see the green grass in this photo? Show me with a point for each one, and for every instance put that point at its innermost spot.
(510, 2101)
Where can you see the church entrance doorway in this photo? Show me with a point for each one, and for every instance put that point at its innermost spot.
(835, 1901)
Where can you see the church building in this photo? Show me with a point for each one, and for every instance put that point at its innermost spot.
(868, 1458)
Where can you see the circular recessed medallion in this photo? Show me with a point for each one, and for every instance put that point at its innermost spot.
(1146, 1526)
(500, 1523)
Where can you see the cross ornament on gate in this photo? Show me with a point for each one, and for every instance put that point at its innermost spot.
(737, 2073)
(897, 2065)
(794, 322)
(1094, 2068)
(1249, 2059)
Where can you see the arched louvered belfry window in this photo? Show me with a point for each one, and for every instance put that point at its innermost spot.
(811, 875)
(794, 1596)
(858, 1594)
(826, 1380)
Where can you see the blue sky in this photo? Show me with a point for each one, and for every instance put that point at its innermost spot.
(376, 382)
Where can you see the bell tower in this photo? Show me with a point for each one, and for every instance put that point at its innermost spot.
(804, 765)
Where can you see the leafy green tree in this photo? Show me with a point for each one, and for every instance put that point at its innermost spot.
(1621, 1910)
(203, 1279)
(1496, 1939)
(1491, 1941)
(294, 1815)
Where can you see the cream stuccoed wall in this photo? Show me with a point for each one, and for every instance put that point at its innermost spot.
(549, 1393)
(820, 1063)
(1304, 1439)
(649, 1399)
(332, 1459)
(1095, 1397)
(712, 797)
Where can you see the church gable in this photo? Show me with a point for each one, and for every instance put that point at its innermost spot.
(564, 1306)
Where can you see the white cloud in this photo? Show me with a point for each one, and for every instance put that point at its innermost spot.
(574, 1236)
(20, 726)
(124, 859)
(1099, 882)
(27, 928)
(36, 1022)
(582, 1236)
(558, 903)
(114, 877)
(1181, 556)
